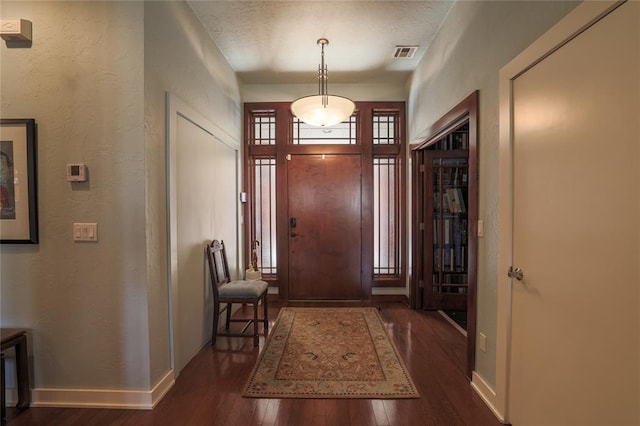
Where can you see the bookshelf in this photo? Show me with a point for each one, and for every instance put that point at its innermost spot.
(446, 168)
(449, 225)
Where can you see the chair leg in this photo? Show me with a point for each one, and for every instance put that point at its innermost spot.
(216, 314)
(256, 339)
(228, 324)
(266, 315)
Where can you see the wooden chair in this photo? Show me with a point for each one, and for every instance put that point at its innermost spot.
(228, 292)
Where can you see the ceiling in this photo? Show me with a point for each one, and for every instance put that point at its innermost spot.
(274, 42)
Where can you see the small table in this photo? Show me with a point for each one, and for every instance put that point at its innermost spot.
(17, 338)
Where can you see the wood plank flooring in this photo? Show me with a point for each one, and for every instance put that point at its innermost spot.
(208, 390)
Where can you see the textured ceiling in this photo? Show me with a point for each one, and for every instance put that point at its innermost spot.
(274, 42)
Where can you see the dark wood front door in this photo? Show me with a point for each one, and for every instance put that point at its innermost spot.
(325, 227)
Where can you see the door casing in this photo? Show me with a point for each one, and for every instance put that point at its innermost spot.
(465, 111)
(365, 148)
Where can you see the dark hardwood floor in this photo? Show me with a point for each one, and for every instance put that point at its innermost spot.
(208, 390)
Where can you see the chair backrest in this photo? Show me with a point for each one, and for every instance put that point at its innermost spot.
(218, 266)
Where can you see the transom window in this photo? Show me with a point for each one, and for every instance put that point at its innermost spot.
(340, 134)
(262, 128)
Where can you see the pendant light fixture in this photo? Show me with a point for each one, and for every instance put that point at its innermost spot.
(322, 109)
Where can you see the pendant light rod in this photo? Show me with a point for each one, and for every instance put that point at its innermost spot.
(323, 75)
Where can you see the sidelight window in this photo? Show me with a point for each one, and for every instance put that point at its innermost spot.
(386, 255)
(264, 212)
(387, 202)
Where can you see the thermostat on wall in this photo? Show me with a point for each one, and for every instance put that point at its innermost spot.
(15, 29)
(76, 172)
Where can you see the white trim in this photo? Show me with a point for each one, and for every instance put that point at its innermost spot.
(487, 394)
(273, 290)
(452, 322)
(393, 291)
(98, 398)
(385, 291)
(162, 387)
(583, 16)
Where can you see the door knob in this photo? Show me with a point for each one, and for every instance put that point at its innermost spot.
(515, 273)
(293, 234)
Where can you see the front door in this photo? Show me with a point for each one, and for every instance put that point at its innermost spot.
(575, 328)
(325, 227)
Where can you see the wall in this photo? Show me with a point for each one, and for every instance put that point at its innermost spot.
(85, 303)
(289, 92)
(181, 59)
(474, 42)
(95, 80)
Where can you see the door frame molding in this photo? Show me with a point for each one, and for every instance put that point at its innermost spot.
(576, 22)
(176, 108)
(465, 111)
(372, 287)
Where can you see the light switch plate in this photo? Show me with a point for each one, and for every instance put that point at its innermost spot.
(85, 232)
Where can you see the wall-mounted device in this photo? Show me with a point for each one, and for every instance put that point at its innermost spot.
(15, 29)
(85, 232)
(76, 172)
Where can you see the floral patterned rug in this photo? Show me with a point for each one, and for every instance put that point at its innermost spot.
(330, 353)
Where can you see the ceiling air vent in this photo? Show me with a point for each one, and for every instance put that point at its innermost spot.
(405, 51)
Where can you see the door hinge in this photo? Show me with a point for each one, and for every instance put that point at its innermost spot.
(288, 157)
(421, 226)
(421, 168)
(420, 284)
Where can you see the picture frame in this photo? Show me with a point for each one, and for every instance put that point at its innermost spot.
(18, 193)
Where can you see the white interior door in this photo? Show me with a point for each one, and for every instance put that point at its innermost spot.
(575, 357)
(204, 181)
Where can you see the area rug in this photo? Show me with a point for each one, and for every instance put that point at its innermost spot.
(330, 353)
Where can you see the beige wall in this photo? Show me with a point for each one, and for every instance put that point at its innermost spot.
(179, 58)
(475, 41)
(95, 80)
(86, 304)
(288, 92)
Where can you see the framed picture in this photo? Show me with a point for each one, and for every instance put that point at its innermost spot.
(18, 202)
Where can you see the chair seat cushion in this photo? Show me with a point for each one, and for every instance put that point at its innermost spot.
(243, 288)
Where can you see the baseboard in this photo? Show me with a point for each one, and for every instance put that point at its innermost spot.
(487, 394)
(381, 298)
(389, 294)
(98, 398)
(453, 323)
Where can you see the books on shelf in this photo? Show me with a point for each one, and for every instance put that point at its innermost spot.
(450, 244)
(455, 200)
(447, 231)
(446, 203)
(454, 140)
(460, 199)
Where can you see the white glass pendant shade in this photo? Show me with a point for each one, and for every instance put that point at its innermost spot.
(322, 109)
(312, 110)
